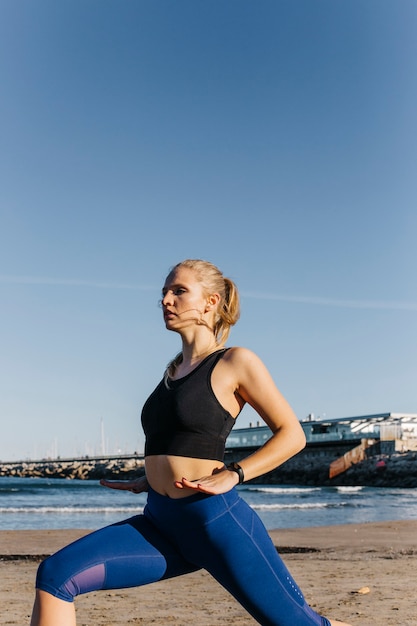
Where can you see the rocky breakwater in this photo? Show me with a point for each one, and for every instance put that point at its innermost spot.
(395, 470)
(84, 469)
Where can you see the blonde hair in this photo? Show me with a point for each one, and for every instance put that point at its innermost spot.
(228, 309)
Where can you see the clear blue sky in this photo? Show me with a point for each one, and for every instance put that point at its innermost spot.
(276, 138)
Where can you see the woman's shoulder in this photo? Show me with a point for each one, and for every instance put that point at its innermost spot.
(237, 351)
(240, 355)
(244, 365)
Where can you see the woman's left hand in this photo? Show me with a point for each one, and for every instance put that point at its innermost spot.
(219, 482)
(137, 485)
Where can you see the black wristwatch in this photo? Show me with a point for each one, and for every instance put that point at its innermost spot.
(235, 467)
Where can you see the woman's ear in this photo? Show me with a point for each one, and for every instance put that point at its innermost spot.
(212, 302)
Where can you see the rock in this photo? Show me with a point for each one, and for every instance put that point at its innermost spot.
(400, 470)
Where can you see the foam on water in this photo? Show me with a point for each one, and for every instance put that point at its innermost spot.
(58, 503)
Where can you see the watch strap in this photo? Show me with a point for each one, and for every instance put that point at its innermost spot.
(235, 467)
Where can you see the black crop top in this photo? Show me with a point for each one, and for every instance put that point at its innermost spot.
(185, 418)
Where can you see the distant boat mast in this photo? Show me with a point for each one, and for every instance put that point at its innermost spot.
(103, 441)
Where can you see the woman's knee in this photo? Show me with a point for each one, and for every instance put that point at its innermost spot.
(55, 576)
(49, 578)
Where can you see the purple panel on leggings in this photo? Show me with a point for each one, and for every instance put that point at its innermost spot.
(89, 580)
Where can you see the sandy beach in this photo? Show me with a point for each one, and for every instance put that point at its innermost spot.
(365, 574)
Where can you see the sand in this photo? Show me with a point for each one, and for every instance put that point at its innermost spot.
(365, 574)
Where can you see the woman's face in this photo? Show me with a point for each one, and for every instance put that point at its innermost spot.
(183, 300)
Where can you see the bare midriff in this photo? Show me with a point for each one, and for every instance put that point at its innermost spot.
(163, 470)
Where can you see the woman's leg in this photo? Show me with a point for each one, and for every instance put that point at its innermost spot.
(50, 611)
(224, 535)
(244, 560)
(127, 554)
(254, 572)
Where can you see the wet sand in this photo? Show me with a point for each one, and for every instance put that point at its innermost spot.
(365, 574)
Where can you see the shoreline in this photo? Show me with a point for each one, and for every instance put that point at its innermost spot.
(362, 573)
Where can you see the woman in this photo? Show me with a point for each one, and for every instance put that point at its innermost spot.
(194, 517)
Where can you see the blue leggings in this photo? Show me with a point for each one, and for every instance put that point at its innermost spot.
(221, 534)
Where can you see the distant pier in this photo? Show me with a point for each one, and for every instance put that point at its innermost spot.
(391, 460)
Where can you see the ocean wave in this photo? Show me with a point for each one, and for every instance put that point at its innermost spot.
(284, 490)
(306, 505)
(71, 509)
(347, 489)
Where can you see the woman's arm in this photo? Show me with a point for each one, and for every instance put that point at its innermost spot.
(257, 388)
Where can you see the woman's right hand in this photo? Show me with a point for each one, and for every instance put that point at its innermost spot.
(137, 485)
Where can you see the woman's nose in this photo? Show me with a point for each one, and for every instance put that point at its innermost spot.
(167, 299)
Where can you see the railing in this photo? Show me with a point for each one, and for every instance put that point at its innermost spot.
(356, 455)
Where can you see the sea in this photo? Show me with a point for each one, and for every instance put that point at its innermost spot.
(41, 503)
